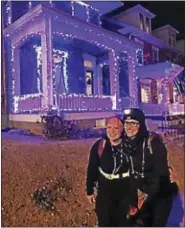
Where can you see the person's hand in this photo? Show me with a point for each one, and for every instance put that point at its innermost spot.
(91, 198)
(132, 211)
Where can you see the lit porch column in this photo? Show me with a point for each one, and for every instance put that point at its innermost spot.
(153, 89)
(133, 80)
(114, 80)
(16, 71)
(47, 66)
(170, 86)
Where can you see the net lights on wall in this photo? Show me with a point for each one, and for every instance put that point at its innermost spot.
(61, 56)
(38, 50)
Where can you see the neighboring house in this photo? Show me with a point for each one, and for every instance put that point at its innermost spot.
(62, 57)
(159, 69)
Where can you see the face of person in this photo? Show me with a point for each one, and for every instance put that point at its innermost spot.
(114, 129)
(131, 128)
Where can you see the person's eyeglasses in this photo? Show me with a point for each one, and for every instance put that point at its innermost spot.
(131, 124)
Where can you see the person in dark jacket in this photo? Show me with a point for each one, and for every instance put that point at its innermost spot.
(149, 170)
(109, 167)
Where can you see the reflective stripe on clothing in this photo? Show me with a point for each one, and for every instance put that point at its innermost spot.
(113, 176)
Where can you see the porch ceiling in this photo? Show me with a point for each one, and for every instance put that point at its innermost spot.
(70, 44)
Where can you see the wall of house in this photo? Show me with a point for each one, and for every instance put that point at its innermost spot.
(131, 18)
(162, 34)
(180, 45)
(165, 34)
(164, 54)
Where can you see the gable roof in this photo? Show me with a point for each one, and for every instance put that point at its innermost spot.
(166, 27)
(139, 8)
(125, 10)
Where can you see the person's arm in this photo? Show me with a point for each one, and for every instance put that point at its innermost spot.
(92, 169)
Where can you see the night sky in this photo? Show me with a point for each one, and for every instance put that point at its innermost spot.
(167, 12)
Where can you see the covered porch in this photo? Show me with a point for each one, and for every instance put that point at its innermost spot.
(157, 90)
(66, 64)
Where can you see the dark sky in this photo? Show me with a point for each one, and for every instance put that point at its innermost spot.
(167, 12)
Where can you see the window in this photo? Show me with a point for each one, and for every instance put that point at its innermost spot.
(173, 39)
(141, 19)
(170, 41)
(155, 54)
(145, 95)
(147, 25)
(139, 56)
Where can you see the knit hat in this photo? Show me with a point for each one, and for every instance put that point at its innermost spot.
(134, 115)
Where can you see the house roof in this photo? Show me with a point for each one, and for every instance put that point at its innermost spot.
(42, 9)
(129, 28)
(139, 8)
(159, 70)
(166, 27)
(125, 10)
(104, 6)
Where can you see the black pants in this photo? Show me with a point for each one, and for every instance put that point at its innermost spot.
(112, 203)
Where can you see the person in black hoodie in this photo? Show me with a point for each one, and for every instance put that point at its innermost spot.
(109, 167)
(149, 171)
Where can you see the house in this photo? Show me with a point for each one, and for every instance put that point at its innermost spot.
(159, 68)
(65, 57)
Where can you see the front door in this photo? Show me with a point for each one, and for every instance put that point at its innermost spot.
(89, 83)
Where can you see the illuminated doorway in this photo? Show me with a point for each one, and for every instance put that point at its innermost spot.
(89, 83)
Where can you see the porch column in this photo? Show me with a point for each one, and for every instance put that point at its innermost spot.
(9, 75)
(164, 90)
(133, 80)
(47, 65)
(170, 86)
(16, 67)
(114, 80)
(153, 89)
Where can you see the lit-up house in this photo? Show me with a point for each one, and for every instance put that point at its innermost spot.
(68, 57)
(159, 66)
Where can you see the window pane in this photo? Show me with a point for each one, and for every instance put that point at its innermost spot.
(141, 18)
(147, 25)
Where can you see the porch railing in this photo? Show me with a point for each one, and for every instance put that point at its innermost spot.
(30, 102)
(80, 102)
(160, 109)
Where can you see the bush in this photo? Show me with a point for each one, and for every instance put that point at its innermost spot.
(56, 127)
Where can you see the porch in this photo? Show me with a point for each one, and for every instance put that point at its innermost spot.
(158, 91)
(77, 65)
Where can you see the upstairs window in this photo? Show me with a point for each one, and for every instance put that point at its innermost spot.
(141, 20)
(170, 41)
(147, 25)
(155, 54)
(173, 39)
